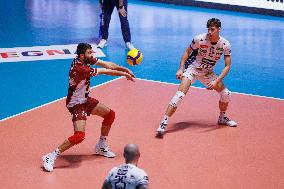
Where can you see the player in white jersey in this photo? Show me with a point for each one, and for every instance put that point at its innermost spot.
(127, 175)
(197, 63)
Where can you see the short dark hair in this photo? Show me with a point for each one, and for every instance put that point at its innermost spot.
(82, 47)
(214, 22)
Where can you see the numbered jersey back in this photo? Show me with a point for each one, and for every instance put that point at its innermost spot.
(127, 176)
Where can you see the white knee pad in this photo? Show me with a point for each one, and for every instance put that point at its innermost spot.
(177, 98)
(225, 95)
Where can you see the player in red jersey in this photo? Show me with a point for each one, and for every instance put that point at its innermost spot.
(80, 105)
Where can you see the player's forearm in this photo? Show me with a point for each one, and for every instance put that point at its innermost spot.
(183, 60)
(184, 57)
(224, 72)
(226, 69)
(116, 73)
(119, 68)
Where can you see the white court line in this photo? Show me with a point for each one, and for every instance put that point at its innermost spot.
(55, 101)
(154, 81)
(205, 88)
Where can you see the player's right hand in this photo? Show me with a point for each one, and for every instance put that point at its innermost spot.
(179, 74)
(130, 72)
(129, 77)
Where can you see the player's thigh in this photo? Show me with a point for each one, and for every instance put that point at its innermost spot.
(184, 84)
(205, 80)
(100, 110)
(79, 125)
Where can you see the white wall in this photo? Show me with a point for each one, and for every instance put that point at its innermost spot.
(251, 3)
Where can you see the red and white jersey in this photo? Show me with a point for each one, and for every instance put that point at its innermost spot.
(208, 53)
(127, 176)
(79, 81)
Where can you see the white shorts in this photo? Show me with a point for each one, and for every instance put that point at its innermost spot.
(205, 77)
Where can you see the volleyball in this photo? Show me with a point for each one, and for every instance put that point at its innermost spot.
(134, 57)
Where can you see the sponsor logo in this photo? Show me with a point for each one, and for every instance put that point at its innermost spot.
(19, 54)
(204, 46)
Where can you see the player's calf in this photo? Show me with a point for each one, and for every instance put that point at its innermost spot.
(225, 97)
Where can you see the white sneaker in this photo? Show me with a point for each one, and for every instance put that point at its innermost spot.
(129, 45)
(48, 162)
(161, 129)
(223, 120)
(102, 43)
(103, 150)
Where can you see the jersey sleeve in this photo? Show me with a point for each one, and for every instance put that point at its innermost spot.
(94, 61)
(194, 43)
(143, 179)
(110, 175)
(227, 48)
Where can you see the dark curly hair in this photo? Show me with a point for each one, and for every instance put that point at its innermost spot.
(82, 47)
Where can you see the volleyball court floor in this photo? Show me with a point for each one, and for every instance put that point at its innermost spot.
(195, 152)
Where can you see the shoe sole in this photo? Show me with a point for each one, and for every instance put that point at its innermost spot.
(228, 125)
(98, 154)
(101, 47)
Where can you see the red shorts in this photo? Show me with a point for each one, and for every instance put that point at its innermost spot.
(81, 111)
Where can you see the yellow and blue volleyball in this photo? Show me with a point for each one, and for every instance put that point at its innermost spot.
(134, 57)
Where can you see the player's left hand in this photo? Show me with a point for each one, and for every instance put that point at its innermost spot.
(122, 11)
(212, 85)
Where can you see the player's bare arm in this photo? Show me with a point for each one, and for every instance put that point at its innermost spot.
(114, 73)
(113, 66)
(225, 71)
(182, 62)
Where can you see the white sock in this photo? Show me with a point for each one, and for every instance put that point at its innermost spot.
(165, 119)
(222, 114)
(55, 153)
(102, 139)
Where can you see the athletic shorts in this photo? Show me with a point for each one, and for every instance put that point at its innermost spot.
(205, 77)
(81, 111)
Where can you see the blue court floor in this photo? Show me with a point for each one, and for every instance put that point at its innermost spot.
(161, 32)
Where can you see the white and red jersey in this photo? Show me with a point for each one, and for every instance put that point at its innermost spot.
(79, 81)
(208, 53)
